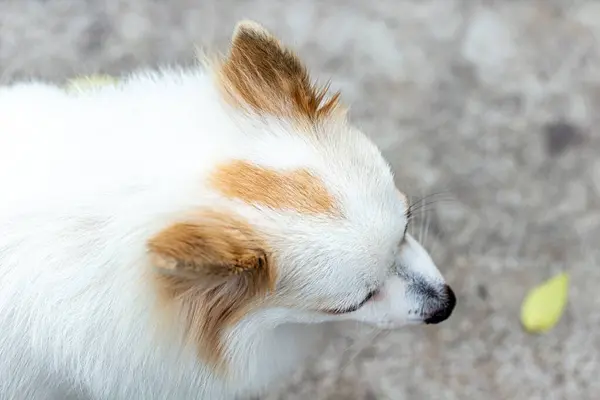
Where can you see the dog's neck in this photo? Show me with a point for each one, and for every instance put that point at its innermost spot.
(263, 352)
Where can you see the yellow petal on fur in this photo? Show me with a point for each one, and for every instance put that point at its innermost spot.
(88, 82)
(544, 305)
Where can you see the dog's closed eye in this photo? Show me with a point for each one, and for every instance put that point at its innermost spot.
(355, 307)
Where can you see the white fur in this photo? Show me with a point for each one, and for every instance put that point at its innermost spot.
(88, 178)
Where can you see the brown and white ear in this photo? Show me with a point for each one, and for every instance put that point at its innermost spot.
(213, 269)
(265, 76)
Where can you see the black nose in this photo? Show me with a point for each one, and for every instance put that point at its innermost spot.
(445, 309)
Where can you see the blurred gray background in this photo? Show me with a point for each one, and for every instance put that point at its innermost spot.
(495, 104)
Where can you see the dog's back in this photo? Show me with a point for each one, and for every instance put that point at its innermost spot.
(81, 194)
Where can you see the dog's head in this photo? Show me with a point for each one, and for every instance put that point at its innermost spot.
(307, 224)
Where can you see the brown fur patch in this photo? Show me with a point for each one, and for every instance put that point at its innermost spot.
(213, 271)
(296, 190)
(262, 74)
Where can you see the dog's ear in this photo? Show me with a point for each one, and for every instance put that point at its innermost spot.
(213, 269)
(262, 74)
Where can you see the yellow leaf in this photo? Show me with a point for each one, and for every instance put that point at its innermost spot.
(544, 305)
(88, 82)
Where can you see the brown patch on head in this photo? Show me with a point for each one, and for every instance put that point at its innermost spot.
(296, 190)
(260, 73)
(212, 270)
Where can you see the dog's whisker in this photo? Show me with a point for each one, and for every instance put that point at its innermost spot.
(419, 213)
(423, 227)
(436, 195)
(420, 205)
(424, 197)
(427, 223)
(420, 229)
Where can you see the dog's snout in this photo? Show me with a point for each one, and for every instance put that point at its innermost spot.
(444, 310)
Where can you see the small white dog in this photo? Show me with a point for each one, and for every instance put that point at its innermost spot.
(190, 233)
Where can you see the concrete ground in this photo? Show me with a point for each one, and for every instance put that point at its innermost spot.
(493, 103)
